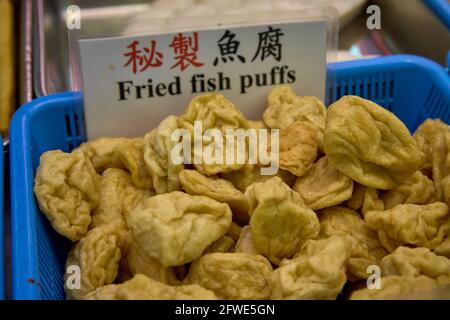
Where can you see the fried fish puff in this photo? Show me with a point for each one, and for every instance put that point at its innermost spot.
(196, 184)
(223, 244)
(97, 257)
(132, 156)
(279, 219)
(366, 249)
(141, 287)
(425, 136)
(159, 162)
(251, 173)
(285, 107)
(414, 262)
(316, 273)
(245, 242)
(121, 153)
(298, 147)
(323, 186)
(141, 263)
(175, 228)
(418, 189)
(257, 124)
(232, 275)
(66, 188)
(369, 143)
(234, 232)
(421, 225)
(114, 184)
(441, 164)
(103, 152)
(357, 199)
(213, 111)
(398, 287)
(371, 201)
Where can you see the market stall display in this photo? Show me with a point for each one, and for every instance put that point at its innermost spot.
(385, 81)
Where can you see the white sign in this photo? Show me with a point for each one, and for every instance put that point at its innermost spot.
(131, 83)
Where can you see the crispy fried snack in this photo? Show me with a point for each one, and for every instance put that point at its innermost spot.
(196, 184)
(284, 107)
(366, 249)
(425, 136)
(371, 201)
(115, 185)
(140, 263)
(214, 111)
(317, 272)
(370, 144)
(97, 255)
(245, 242)
(298, 147)
(399, 287)
(279, 219)
(323, 186)
(418, 189)
(158, 146)
(141, 287)
(413, 262)
(175, 228)
(232, 275)
(421, 225)
(103, 152)
(66, 187)
(251, 173)
(223, 244)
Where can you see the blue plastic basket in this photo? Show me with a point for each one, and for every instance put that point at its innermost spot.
(441, 8)
(2, 219)
(414, 88)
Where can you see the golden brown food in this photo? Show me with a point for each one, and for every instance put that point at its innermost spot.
(399, 287)
(414, 262)
(196, 184)
(175, 228)
(371, 201)
(369, 144)
(140, 263)
(232, 275)
(103, 152)
(317, 272)
(425, 136)
(279, 219)
(97, 256)
(66, 187)
(158, 147)
(245, 243)
(323, 186)
(251, 173)
(223, 244)
(235, 231)
(418, 189)
(141, 287)
(214, 111)
(298, 147)
(365, 247)
(114, 186)
(132, 157)
(420, 225)
(285, 107)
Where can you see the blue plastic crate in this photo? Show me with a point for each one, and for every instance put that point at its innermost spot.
(441, 8)
(2, 219)
(412, 87)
